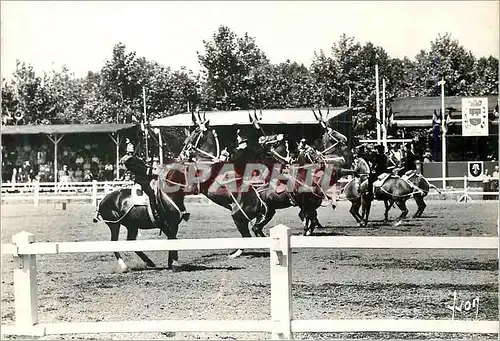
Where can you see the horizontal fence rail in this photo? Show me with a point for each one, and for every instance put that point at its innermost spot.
(280, 244)
(95, 190)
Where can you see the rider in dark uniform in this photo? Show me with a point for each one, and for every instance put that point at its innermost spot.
(142, 176)
(379, 166)
(241, 155)
(410, 159)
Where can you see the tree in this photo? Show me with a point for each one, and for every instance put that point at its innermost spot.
(447, 60)
(27, 98)
(486, 76)
(351, 65)
(228, 68)
(285, 85)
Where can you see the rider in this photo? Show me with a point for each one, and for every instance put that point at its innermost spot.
(379, 166)
(142, 176)
(155, 173)
(241, 154)
(410, 159)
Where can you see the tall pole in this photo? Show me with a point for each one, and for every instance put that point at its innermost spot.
(117, 169)
(443, 134)
(378, 103)
(350, 97)
(384, 127)
(145, 122)
(160, 145)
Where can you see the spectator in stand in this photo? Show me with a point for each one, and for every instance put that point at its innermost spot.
(79, 160)
(64, 174)
(109, 171)
(78, 174)
(27, 172)
(87, 175)
(427, 156)
(495, 179)
(86, 165)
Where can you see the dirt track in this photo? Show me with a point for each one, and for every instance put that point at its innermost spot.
(333, 284)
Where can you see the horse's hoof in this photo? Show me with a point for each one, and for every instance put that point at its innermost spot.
(175, 266)
(235, 254)
(398, 223)
(186, 216)
(123, 266)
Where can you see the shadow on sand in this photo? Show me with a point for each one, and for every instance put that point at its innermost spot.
(187, 268)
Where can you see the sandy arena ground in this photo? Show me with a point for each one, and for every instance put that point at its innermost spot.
(327, 284)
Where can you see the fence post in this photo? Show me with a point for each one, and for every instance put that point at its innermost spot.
(281, 283)
(25, 289)
(465, 197)
(36, 190)
(466, 185)
(94, 192)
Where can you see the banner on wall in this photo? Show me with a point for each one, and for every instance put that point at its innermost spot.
(475, 116)
(475, 169)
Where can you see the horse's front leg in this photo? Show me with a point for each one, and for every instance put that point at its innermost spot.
(132, 235)
(257, 228)
(173, 255)
(115, 233)
(388, 204)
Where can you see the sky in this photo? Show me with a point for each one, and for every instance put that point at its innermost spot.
(82, 34)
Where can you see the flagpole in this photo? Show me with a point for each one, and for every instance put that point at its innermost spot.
(378, 103)
(384, 127)
(145, 122)
(350, 97)
(443, 135)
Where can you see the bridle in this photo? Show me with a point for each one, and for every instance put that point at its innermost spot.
(322, 154)
(190, 148)
(272, 140)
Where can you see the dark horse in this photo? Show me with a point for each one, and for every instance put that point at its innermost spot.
(296, 190)
(423, 184)
(117, 208)
(306, 194)
(334, 150)
(201, 153)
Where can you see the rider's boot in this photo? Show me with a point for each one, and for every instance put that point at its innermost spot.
(184, 212)
(291, 199)
(185, 215)
(159, 221)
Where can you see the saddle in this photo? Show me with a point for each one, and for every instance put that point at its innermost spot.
(380, 180)
(409, 174)
(139, 198)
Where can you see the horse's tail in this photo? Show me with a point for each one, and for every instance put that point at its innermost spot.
(431, 185)
(434, 187)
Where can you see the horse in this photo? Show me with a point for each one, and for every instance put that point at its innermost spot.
(297, 192)
(390, 189)
(201, 152)
(265, 196)
(118, 208)
(352, 193)
(423, 184)
(309, 200)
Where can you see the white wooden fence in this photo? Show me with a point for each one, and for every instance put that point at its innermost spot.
(72, 191)
(94, 191)
(281, 326)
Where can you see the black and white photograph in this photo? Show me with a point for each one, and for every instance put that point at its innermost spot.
(250, 170)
